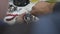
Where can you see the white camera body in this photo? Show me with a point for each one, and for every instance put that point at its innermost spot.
(19, 10)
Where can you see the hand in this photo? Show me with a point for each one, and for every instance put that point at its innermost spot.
(20, 18)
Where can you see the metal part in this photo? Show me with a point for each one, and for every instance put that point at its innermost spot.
(12, 8)
(29, 18)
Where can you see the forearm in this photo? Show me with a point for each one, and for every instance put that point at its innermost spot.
(42, 8)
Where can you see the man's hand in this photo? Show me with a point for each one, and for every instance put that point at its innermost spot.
(20, 18)
(42, 8)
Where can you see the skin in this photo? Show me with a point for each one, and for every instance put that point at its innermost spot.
(42, 8)
(3, 8)
(20, 18)
(39, 9)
